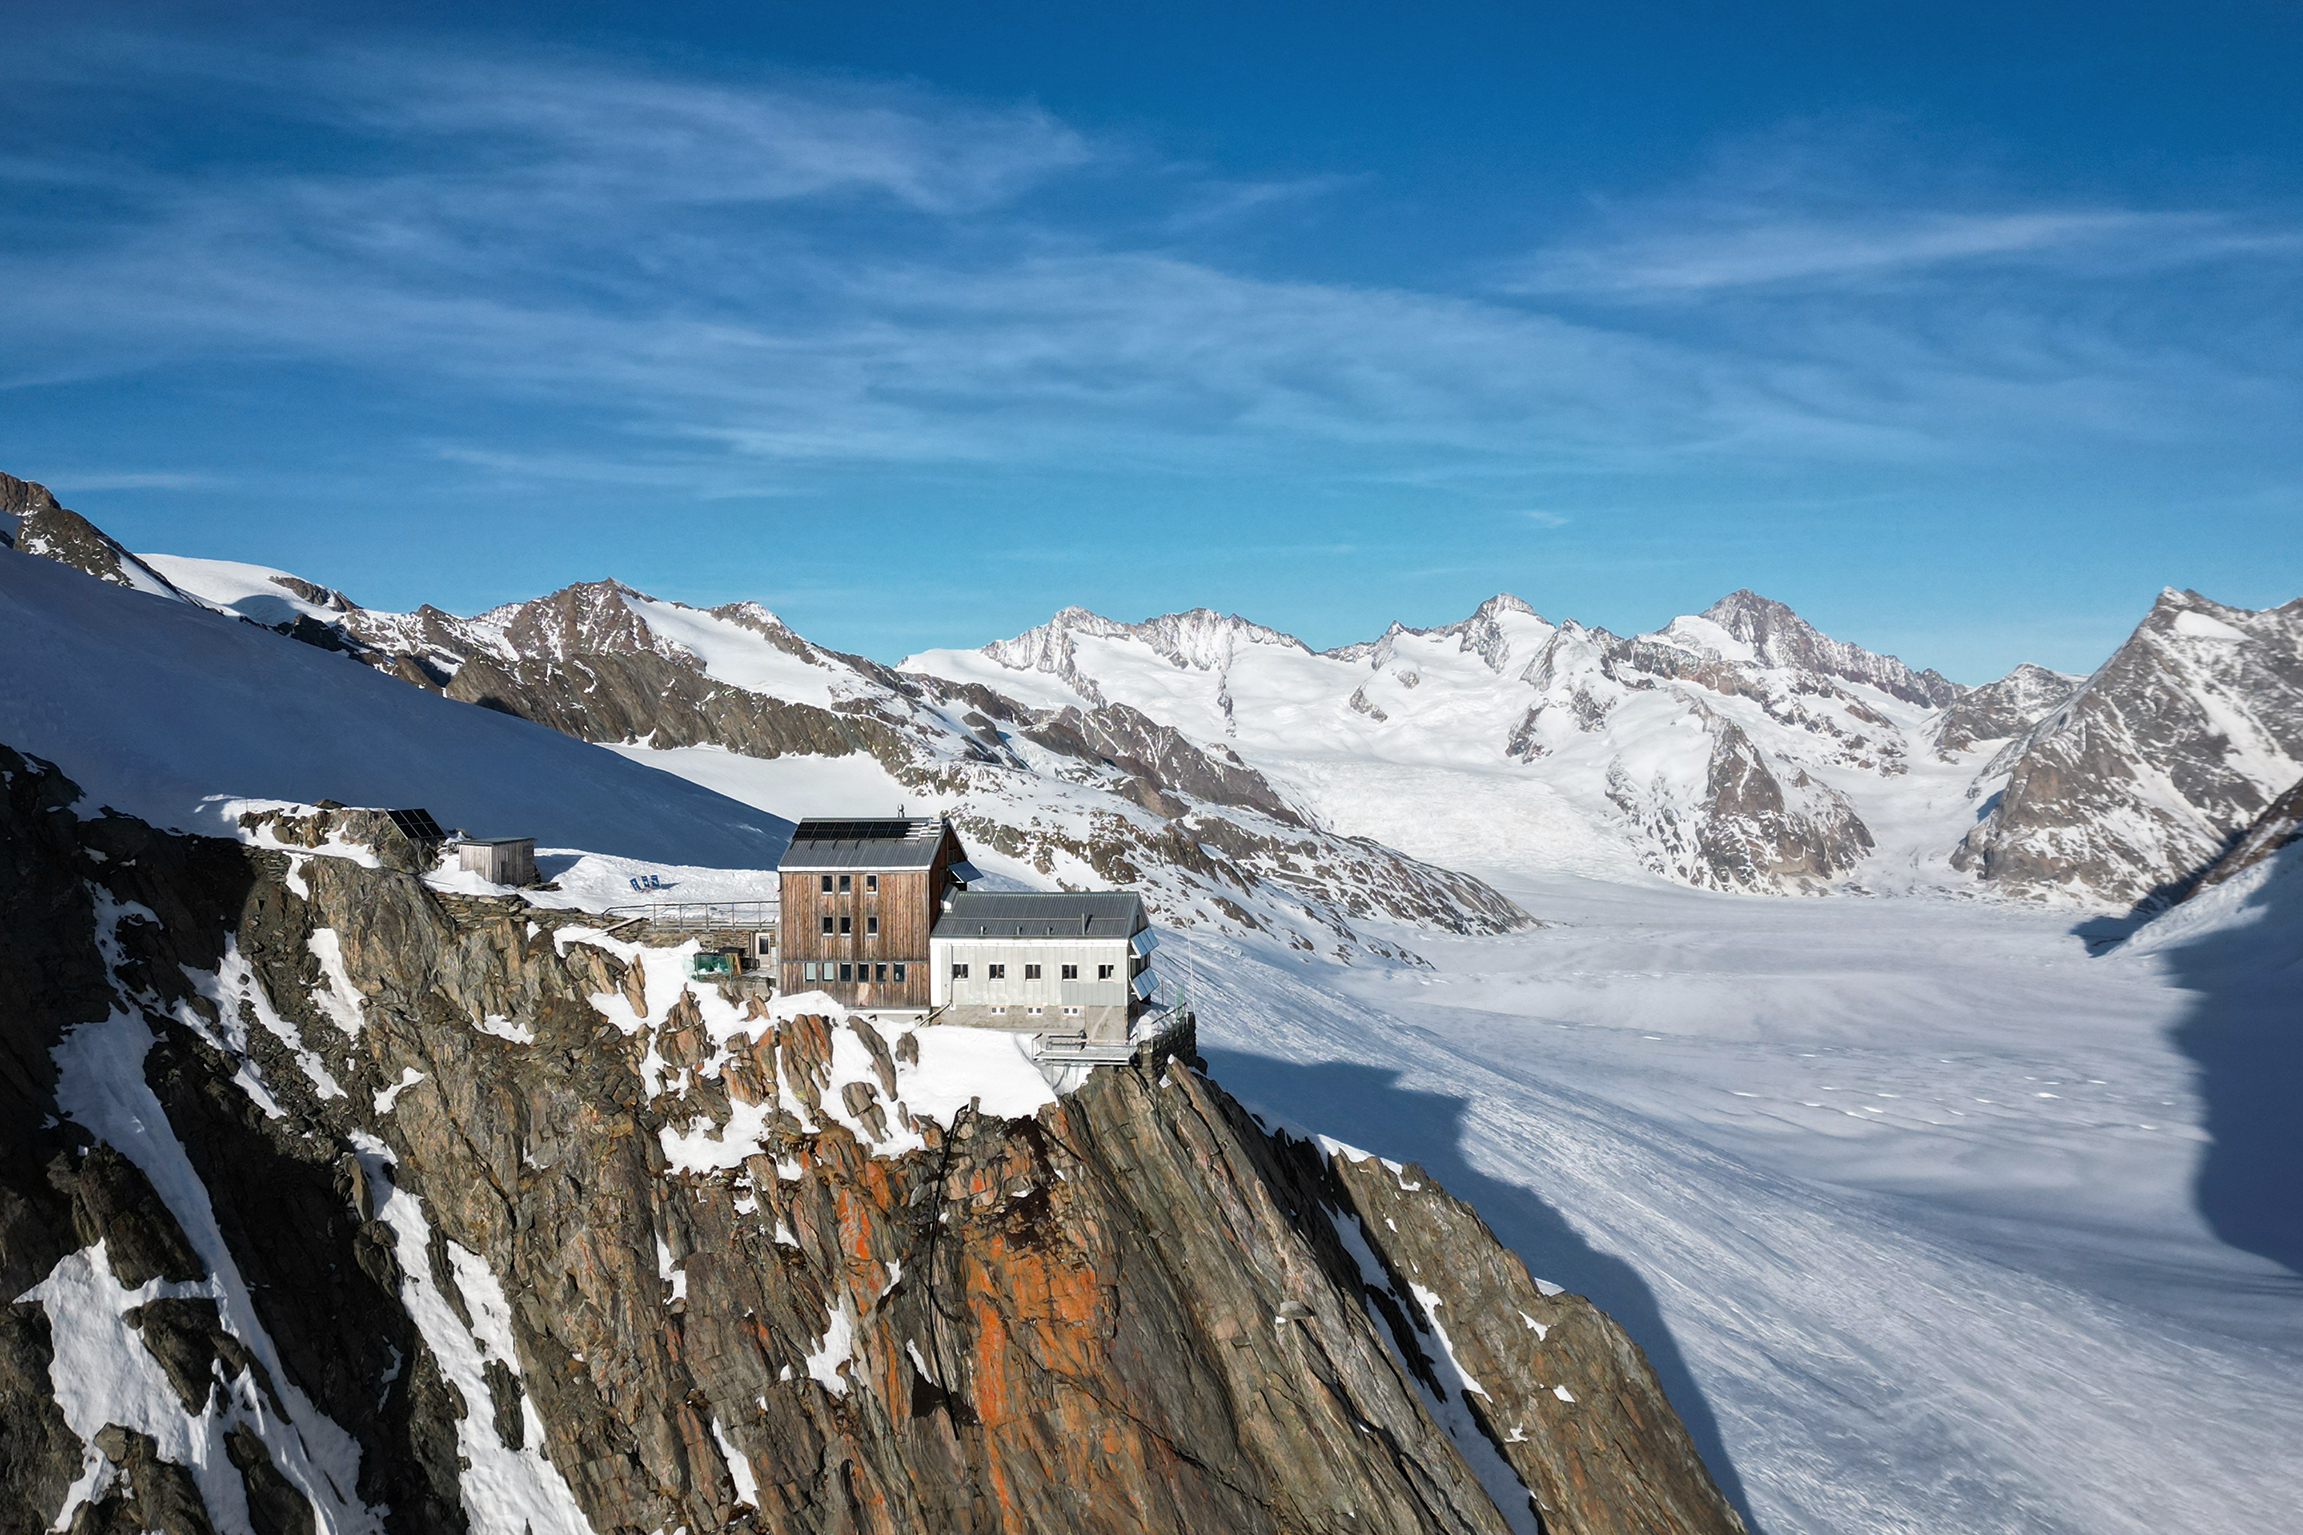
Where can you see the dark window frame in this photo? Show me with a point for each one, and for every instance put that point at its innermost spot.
(959, 971)
(1068, 973)
(1031, 972)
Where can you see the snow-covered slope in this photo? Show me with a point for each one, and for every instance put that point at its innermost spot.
(177, 714)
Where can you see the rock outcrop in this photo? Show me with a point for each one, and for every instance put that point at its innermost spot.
(328, 1199)
(1751, 824)
(2002, 710)
(2280, 825)
(32, 521)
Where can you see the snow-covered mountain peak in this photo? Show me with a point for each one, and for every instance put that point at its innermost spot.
(590, 617)
(1196, 640)
(1500, 631)
(2146, 773)
(2003, 709)
(1773, 635)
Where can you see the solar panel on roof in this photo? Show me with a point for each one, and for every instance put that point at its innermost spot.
(853, 831)
(417, 825)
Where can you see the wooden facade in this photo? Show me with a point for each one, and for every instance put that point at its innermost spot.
(879, 909)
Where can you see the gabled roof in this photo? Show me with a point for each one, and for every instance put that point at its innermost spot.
(1028, 914)
(824, 843)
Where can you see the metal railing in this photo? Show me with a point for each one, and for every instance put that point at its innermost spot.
(1149, 1032)
(699, 916)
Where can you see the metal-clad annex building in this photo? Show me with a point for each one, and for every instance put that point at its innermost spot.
(1059, 964)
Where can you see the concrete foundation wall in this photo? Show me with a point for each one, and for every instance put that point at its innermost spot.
(1102, 1025)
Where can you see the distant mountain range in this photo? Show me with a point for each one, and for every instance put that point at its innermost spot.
(1257, 783)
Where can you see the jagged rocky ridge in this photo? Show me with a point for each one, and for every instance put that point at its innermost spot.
(329, 1200)
(1739, 748)
(2149, 772)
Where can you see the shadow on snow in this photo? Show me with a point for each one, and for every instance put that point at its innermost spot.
(2245, 1034)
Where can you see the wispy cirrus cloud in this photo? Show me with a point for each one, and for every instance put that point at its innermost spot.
(729, 284)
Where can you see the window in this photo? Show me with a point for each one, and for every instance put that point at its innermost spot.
(847, 972)
(999, 1012)
(899, 975)
(872, 882)
(996, 972)
(959, 972)
(1031, 972)
(1034, 1012)
(1071, 1012)
(827, 924)
(871, 927)
(808, 971)
(1103, 972)
(879, 972)
(1071, 972)
(847, 924)
(827, 884)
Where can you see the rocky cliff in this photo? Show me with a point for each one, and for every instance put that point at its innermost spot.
(333, 1201)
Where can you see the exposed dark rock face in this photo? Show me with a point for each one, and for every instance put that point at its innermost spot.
(1160, 762)
(39, 1453)
(1550, 1380)
(33, 522)
(2157, 764)
(644, 696)
(2000, 710)
(1783, 638)
(148, 1496)
(1754, 827)
(2280, 825)
(511, 1203)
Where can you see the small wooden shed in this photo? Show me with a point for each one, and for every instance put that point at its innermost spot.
(501, 860)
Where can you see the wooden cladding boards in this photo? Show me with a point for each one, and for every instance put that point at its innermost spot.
(905, 901)
(905, 912)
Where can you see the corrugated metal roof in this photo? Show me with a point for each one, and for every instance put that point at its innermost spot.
(1028, 914)
(822, 843)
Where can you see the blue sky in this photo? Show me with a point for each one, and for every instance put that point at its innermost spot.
(1961, 331)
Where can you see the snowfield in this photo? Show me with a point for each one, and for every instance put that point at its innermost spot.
(1896, 1193)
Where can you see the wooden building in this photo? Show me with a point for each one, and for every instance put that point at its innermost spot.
(500, 860)
(859, 901)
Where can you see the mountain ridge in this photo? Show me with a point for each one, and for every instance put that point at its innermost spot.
(1739, 748)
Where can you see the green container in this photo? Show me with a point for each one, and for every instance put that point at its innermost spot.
(713, 964)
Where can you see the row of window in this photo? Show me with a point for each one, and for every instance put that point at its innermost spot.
(1031, 972)
(847, 925)
(810, 970)
(847, 886)
(1032, 1012)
